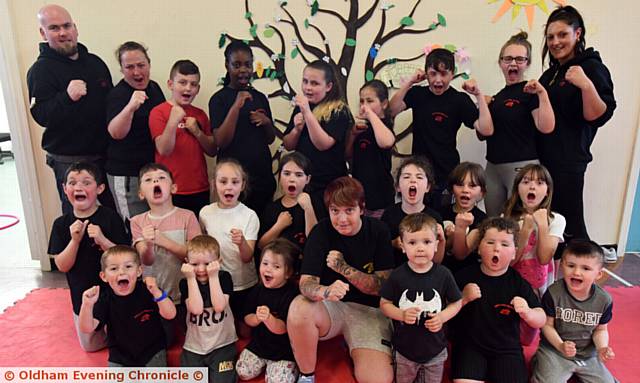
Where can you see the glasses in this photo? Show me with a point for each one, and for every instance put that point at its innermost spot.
(518, 59)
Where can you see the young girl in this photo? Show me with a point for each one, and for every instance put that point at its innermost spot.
(292, 216)
(242, 124)
(369, 146)
(519, 110)
(468, 185)
(318, 127)
(235, 226)
(413, 180)
(541, 230)
(266, 312)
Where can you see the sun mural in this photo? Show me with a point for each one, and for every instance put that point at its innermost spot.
(517, 6)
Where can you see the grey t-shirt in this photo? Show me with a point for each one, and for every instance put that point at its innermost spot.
(576, 320)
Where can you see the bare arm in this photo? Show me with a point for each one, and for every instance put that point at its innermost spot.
(391, 311)
(320, 139)
(67, 258)
(384, 136)
(543, 115)
(219, 300)
(194, 302)
(120, 125)
(484, 123)
(397, 103)
(290, 140)
(366, 283)
(86, 321)
(551, 334)
(311, 288)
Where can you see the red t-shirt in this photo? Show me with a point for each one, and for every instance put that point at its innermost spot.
(187, 163)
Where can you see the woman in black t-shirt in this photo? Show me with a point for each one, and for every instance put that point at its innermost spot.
(519, 110)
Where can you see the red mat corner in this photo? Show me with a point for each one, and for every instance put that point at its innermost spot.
(37, 331)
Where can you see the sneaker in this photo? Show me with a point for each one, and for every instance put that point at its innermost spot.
(307, 379)
(610, 255)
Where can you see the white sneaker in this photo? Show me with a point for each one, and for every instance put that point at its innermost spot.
(610, 255)
(307, 379)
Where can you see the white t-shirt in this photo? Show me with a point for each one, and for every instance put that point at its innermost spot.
(218, 223)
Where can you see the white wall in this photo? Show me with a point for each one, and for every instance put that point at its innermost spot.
(191, 29)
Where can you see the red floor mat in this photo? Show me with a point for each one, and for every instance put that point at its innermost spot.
(38, 331)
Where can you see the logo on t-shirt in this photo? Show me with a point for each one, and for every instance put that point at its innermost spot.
(143, 316)
(431, 306)
(504, 309)
(510, 102)
(207, 318)
(364, 143)
(439, 116)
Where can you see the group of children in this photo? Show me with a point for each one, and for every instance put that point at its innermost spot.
(497, 289)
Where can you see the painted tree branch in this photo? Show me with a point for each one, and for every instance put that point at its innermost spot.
(310, 48)
(327, 48)
(367, 15)
(335, 14)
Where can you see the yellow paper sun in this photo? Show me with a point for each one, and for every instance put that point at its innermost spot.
(517, 5)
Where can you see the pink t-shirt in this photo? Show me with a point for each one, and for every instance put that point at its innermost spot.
(179, 225)
(187, 163)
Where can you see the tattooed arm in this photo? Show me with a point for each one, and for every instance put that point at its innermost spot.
(311, 288)
(366, 283)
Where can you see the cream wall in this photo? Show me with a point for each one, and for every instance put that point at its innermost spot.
(191, 29)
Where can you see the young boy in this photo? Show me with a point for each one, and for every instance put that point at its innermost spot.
(211, 334)
(420, 296)
(181, 134)
(438, 110)
(575, 339)
(495, 297)
(130, 310)
(346, 258)
(160, 235)
(78, 239)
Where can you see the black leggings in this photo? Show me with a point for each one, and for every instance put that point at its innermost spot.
(567, 200)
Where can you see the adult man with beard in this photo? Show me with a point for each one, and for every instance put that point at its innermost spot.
(67, 90)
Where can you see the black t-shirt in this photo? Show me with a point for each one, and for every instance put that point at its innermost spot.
(264, 343)
(392, 217)
(296, 232)
(86, 269)
(490, 323)
(135, 331)
(473, 258)
(126, 156)
(372, 167)
(367, 251)
(436, 120)
(568, 146)
(432, 292)
(249, 143)
(326, 165)
(514, 131)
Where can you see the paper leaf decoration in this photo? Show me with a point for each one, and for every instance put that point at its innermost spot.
(464, 76)
(373, 52)
(368, 75)
(350, 42)
(248, 15)
(222, 41)
(314, 8)
(253, 30)
(450, 47)
(407, 21)
(442, 20)
(392, 60)
(268, 32)
(306, 23)
(343, 70)
(285, 87)
(259, 69)
(294, 52)
(273, 75)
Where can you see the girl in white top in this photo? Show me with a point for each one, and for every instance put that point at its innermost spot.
(235, 226)
(541, 230)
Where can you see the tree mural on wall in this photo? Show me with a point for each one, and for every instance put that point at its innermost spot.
(279, 54)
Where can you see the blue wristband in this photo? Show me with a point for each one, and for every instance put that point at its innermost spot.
(161, 297)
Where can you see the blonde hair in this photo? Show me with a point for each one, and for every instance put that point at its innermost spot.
(203, 243)
(238, 168)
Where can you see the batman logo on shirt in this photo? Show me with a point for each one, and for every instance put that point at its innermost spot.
(511, 102)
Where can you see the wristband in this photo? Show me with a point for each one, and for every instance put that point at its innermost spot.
(161, 297)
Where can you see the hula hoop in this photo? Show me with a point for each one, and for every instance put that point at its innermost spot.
(11, 223)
